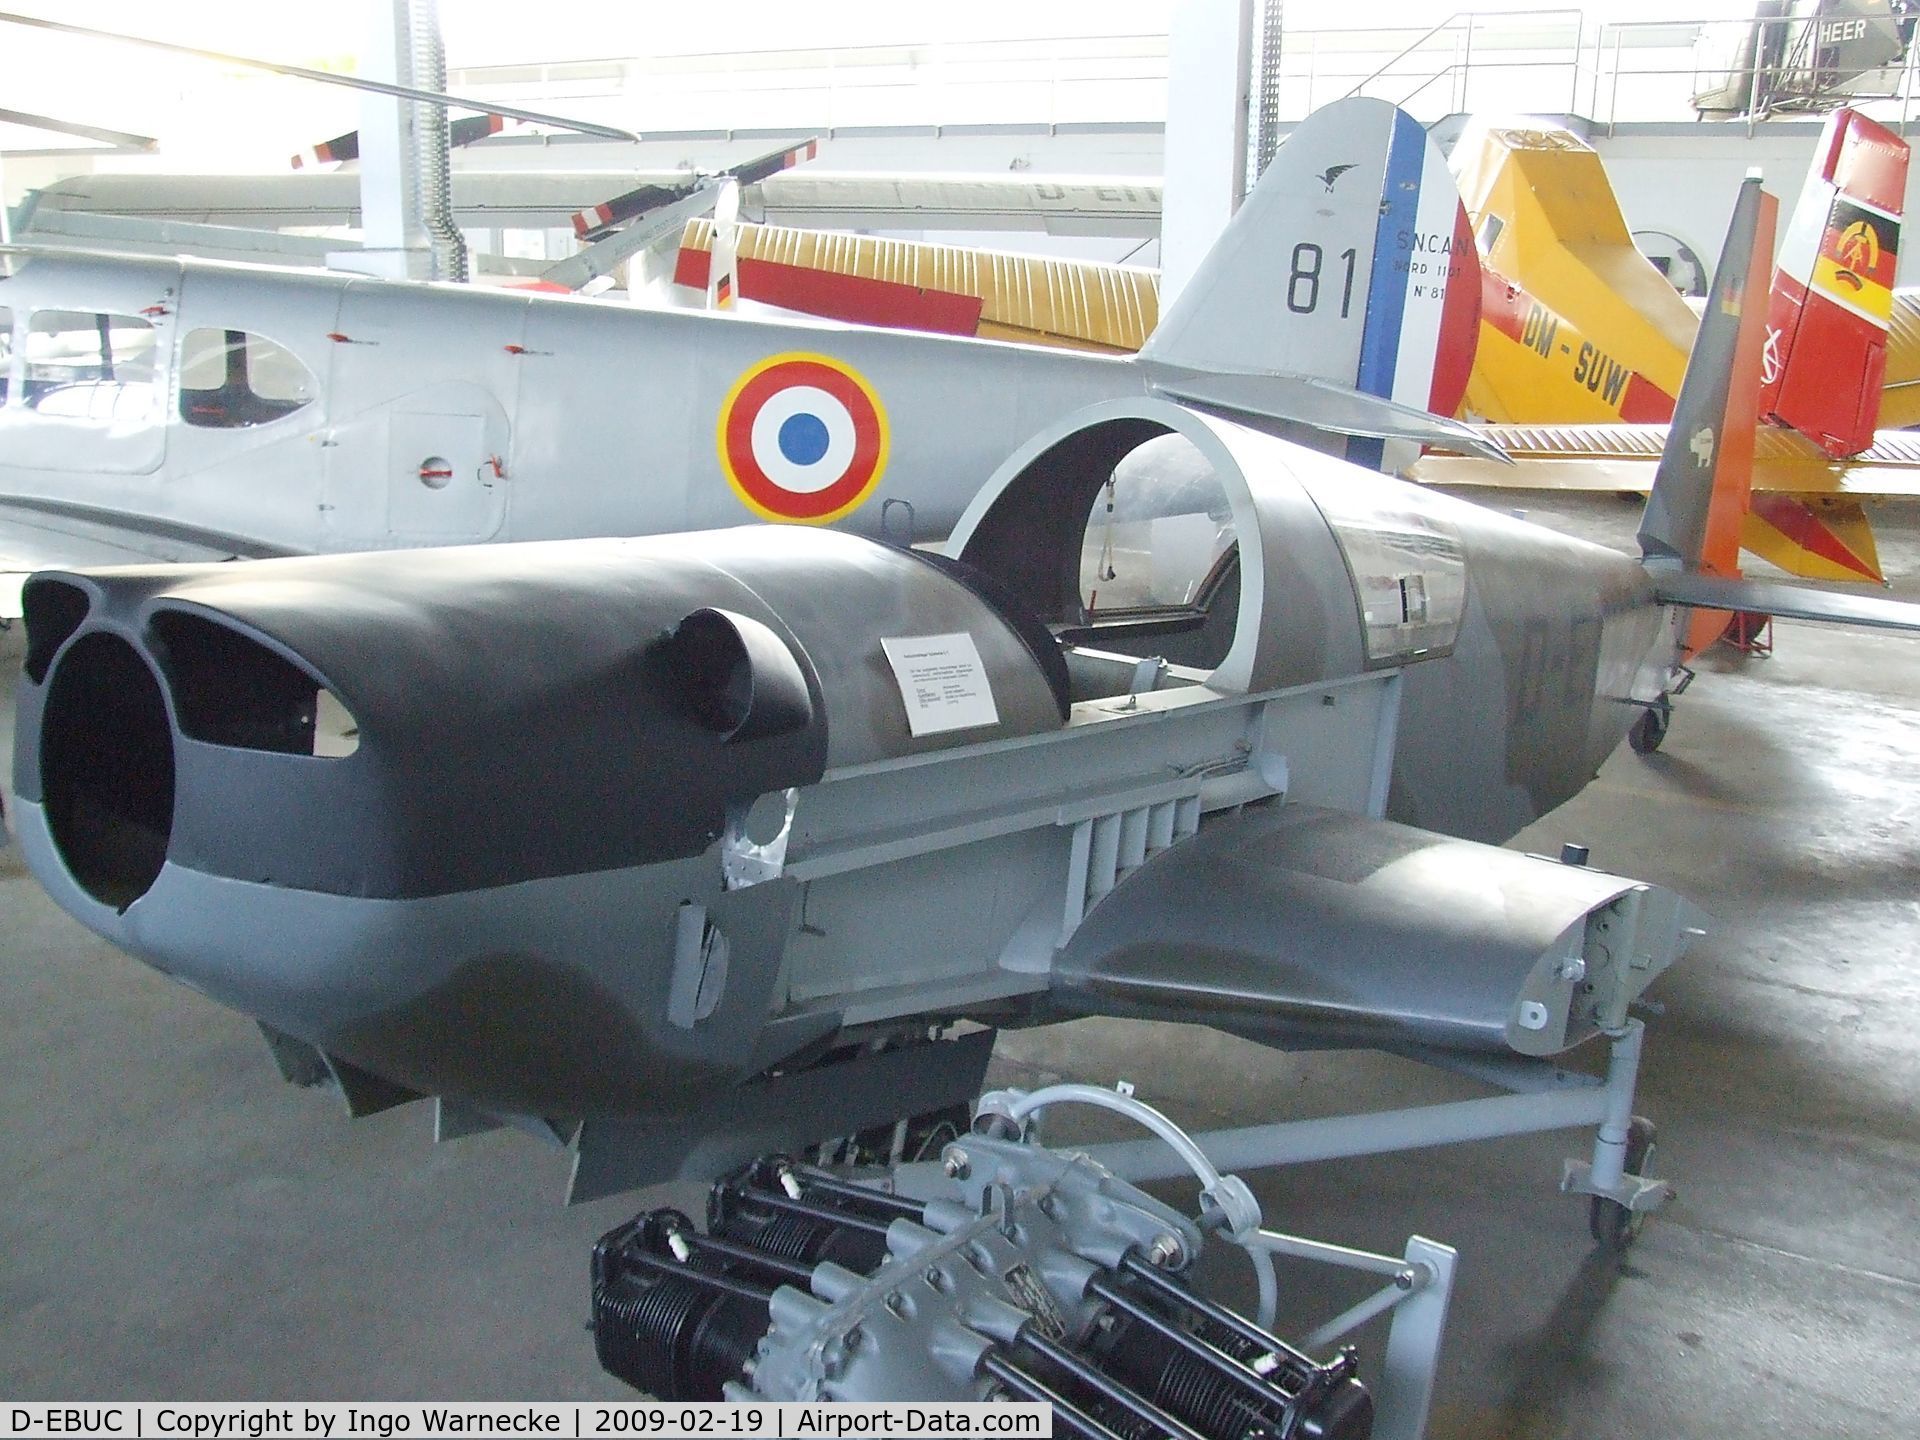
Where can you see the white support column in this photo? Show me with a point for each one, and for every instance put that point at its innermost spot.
(1208, 77)
(395, 240)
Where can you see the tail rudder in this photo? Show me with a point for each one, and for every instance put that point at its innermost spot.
(1350, 262)
(1832, 300)
(1424, 293)
(1701, 489)
(723, 271)
(1550, 225)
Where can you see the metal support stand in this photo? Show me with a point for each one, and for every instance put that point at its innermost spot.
(1749, 633)
(1418, 1291)
(1576, 1101)
(1404, 1396)
(1606, 1174)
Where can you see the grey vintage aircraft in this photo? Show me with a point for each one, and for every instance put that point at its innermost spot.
(161, 408)
(671, 847)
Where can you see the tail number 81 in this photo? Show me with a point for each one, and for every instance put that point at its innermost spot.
(1303, 282)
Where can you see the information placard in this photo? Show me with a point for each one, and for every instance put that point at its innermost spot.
(942, 682)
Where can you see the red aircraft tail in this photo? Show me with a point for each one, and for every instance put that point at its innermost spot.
(1826, 345)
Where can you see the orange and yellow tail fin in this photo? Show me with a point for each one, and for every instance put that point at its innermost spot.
(1702, 487)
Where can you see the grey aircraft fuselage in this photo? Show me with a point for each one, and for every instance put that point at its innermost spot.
(1559, 642)
(166, 408)
(536, 416)
(484, 909)
(626, 830)
(179, 409)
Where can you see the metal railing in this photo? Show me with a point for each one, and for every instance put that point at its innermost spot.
(1049, 80)
(1453, 38)
(1555, 61)
(1765, 58)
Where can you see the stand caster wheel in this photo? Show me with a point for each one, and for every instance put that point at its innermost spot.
(1614, 1226)
(1650, 729)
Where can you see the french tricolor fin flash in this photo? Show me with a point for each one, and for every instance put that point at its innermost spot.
(1826, 346)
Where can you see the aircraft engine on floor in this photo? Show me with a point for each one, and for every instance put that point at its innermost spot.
(1022, 1273)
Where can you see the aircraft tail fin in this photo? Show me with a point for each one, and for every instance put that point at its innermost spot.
(1550, 226)
(723, 272)
(1701, 488)
(1832, 301)
(1350, 263)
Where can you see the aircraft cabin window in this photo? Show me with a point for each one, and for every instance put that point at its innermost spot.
(91, 367)
(1157, 534)
(230, 379)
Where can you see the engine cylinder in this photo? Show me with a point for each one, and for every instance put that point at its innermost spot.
(877, 1293)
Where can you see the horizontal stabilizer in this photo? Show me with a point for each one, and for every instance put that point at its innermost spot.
(1787, 602)
(1319, 405)
(1620, 458)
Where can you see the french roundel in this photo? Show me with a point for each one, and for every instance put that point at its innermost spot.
(802, 437)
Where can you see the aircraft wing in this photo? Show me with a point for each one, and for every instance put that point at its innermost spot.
(30, 542)
(1805, 514)
(1900, 399)
(1900, 404)
(1620, 459)
(1295, 923)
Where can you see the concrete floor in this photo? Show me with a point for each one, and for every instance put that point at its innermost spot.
(175, 1223)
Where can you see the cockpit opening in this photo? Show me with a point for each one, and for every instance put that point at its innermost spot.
(1158, 557)
(1121, 540)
